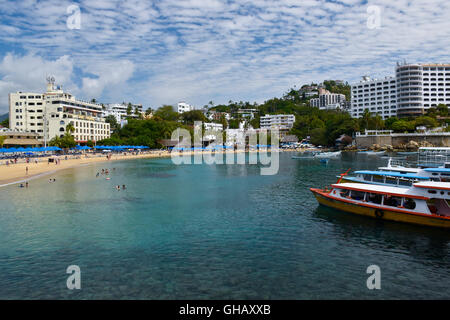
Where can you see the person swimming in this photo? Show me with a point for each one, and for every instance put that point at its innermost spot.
(118, 188)
(123, 187)
(21, 185)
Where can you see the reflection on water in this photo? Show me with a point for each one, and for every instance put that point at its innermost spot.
(209, 232)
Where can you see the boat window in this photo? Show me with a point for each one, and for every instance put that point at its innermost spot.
(392, 201)
(367, 177)
(405, 182)
(345, 193)
(391, 180)
(378, 179)
(357, 195)
(375, 198)
(409, 204)
(432, 191)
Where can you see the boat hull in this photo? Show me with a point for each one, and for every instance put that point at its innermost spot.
(381, 214)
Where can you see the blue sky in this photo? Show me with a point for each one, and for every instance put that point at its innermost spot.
(165, 51)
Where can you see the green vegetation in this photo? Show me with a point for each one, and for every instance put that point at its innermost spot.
(322, 127)
(112, 122)
(2, 141)
(166, 113)
(65, 142)
(144, 132)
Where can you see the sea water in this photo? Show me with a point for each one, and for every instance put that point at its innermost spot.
(208, 232)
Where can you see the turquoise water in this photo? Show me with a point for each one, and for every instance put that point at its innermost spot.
(208, 232)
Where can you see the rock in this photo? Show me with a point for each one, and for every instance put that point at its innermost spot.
(375, 147)
(412, 145)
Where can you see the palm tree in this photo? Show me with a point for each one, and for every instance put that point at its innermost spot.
(70, 128)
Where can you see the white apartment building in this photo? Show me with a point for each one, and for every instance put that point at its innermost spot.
(48, 114)
(279, 121)
(379, 96)
(414, 89)
(421, 86)
(326, 98)
(184, 107)
(120, 111)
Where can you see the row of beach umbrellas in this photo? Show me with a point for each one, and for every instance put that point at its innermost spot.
(216, 147)
(119, 147)
(28, 150)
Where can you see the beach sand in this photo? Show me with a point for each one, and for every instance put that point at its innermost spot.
(16, 173)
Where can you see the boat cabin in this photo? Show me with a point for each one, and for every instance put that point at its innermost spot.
(387, 178)
(427, 197)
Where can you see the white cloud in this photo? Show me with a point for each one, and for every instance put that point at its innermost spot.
(164, 51)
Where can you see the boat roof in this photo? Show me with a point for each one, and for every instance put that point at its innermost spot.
(373, 188)
(392, 174)
(400, 169)
(433, 185)
(440, 170)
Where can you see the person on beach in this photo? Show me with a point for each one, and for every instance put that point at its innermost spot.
(21, 185)
(26, 184)
(26, 169)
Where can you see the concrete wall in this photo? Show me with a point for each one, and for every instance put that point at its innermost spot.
(395, 141)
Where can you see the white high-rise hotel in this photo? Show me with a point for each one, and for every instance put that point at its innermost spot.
(49, 113)
(414, 89)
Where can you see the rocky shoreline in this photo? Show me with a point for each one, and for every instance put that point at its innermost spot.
(410, 146)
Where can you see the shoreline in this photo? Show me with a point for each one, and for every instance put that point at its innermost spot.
(16, 173)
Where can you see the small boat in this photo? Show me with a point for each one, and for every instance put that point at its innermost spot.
(372, 153)
(424, 203)
(404, 153)
(328, 154)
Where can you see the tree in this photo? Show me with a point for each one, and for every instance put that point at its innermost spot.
(319, 136)
(65, 142)
(2, 141)
(167, 112)
(112, 122)
(70, 128)
(442, 109)
(190, 117)
(90, 143)
(5, 123)
(402, 126)
(233, 124)
(149, 111)
(93, 101)
(129, 109)
(425, 121)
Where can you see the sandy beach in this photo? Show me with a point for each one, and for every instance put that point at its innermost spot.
(17, 173)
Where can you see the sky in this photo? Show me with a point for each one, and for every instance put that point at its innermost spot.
(166, 51)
